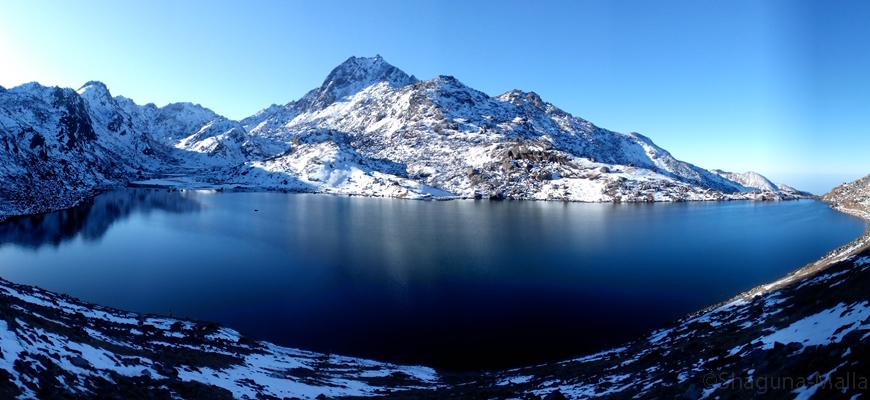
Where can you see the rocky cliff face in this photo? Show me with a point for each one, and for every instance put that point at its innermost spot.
(50, 149)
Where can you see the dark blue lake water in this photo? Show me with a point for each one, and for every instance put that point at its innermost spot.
(456, 285)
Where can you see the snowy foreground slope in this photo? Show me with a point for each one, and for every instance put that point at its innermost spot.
(370, 129)
(55, 347)
(804, 336)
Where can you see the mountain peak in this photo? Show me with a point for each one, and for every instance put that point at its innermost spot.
(93, 83)
(520, 97)
(366, 71)
(95, 87)
(351, 77)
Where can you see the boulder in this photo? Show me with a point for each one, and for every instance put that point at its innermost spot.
(555, 395)
(79, 362)
(693, 392)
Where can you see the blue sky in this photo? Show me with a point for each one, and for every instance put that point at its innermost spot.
(777, 87)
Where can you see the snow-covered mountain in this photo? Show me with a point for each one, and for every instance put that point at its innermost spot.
(59, 144)
(755, 181)
(748, 179)
(442, 134)
(369, 129)
(51, 153)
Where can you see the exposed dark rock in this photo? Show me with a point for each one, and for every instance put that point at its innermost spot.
(80, 362)
(555, 395)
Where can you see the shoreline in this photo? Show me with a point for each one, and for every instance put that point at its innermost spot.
(61, 203)
(732, 349)
(808, 271)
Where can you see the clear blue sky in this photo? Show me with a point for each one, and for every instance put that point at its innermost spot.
(777, 87)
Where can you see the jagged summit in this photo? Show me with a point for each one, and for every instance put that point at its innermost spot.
(30, 87)
(187, 106)
(96, 91)
(94, 84)
(367, 70)
(520, 98)
(350, 77)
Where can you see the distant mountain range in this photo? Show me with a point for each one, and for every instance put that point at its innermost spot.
(369, 129)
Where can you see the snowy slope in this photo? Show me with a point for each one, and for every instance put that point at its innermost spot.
(196, 134)
(114, 126)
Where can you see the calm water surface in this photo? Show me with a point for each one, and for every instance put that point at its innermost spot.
(457, 285)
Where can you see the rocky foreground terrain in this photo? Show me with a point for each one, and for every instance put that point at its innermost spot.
(55, 347)
(804, 336)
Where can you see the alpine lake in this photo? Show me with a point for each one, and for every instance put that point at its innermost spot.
(455, 285)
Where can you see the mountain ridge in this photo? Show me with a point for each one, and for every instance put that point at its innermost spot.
(368, 129)
(443, 106)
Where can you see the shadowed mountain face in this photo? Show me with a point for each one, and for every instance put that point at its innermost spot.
(90, 221)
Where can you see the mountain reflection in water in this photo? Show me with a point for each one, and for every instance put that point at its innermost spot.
(91, 221)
